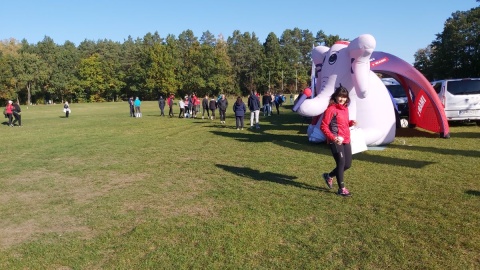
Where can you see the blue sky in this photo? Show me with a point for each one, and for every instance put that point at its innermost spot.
(400, 29)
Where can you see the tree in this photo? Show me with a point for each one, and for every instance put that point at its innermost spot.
(455, 53)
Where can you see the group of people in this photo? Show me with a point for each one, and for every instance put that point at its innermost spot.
(269, 99)
(135, 104)
(13, 110)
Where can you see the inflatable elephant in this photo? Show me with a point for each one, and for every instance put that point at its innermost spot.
(348, 64)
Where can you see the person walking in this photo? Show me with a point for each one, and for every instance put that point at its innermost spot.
(222, 104)
(205, 107)
(181, 104)
(212, 105)
(239, 109)
(279, 99)
(161, 105)
(254, 107)
(17, 114)
(170, 105)
(9, 112)
(66, 109)
(336, 127)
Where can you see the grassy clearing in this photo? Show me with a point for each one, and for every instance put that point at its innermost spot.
(100, 190)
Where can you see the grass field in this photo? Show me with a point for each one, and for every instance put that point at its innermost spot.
(101, 190)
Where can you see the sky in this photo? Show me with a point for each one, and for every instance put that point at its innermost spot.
(399, 29)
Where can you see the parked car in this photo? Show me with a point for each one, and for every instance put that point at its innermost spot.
(460, 98)
(400, 101)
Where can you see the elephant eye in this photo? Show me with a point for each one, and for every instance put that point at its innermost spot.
(332, 59)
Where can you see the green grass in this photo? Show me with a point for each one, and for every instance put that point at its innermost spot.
(101, 190)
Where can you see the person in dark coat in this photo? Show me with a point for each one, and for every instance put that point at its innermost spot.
(161, 105)
(132, 107)
(17, 114)
(205, 107)
(222, 105)
(239, 109)
(212, 105)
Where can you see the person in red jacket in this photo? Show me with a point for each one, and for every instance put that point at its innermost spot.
(336, 127)
(9, 112)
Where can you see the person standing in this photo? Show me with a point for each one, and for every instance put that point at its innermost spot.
(9, 112)
(254, 107)
(132, 107)
(170, 105)
(205, 107)
(239, 109)
(222, 108)
(66, 109)
(161, 105)
(267, 104)
(17, 114)
(212, 105)
(196, 105)
(336, 127)
(137, 104)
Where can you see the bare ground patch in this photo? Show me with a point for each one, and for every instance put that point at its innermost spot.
(45, 202)
(42, 202)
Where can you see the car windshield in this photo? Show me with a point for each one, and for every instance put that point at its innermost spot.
(396, 91)
(464, 87)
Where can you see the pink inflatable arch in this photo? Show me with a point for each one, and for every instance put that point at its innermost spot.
(425, 108)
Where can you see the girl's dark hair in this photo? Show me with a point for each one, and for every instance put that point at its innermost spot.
(340, 92)
(239, 100)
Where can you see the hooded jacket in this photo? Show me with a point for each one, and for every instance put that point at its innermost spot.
(335, 123)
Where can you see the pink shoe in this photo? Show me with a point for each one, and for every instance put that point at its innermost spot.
(344, 192)
(328, 180)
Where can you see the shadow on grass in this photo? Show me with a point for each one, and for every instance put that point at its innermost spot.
(451, 152)
(278, 178)
(473, 192)
(300, 143)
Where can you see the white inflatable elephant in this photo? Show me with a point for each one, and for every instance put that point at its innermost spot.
(348, 64)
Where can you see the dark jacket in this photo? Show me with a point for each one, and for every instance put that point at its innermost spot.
(16, 108)
(212, 105)
(161, 102)
(253, 103)
(205, 103)
(222, 104)
(239, 109)
(266, 99)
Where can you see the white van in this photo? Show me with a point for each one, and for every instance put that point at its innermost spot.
(460, 98)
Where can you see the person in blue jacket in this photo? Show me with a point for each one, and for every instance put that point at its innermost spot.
(239, 109)
(137, 103)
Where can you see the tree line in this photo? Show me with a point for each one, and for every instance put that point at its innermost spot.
(455, 53)
(151, 66)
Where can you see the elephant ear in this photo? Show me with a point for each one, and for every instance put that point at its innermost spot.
(360, 50)
(318, 56)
